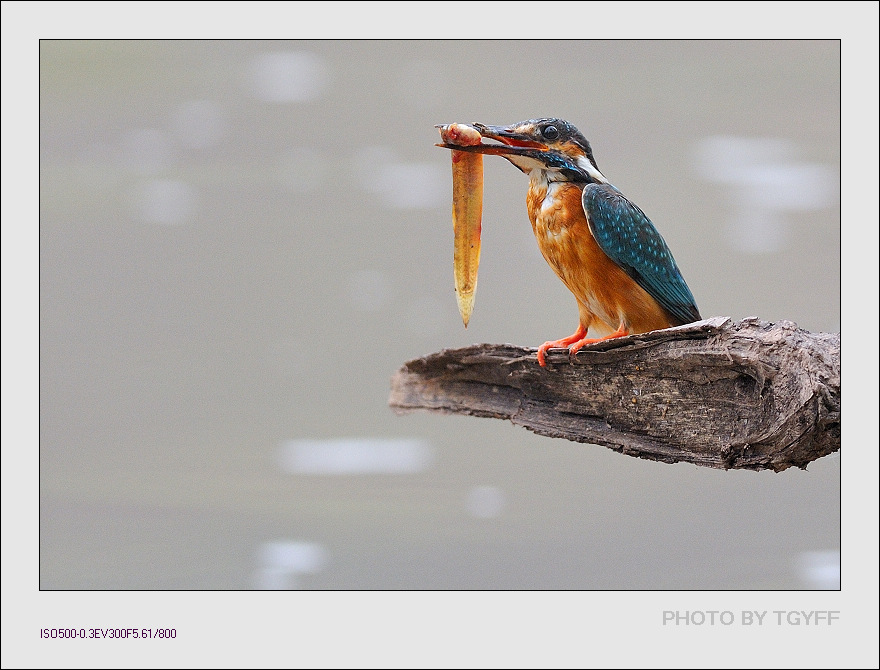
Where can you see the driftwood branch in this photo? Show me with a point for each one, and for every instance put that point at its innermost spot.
(716, 393)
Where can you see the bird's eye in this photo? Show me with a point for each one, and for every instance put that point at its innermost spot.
(550, 132)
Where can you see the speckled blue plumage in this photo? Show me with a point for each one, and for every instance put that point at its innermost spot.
(629, 239)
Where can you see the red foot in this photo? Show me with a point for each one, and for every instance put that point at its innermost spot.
(564, 342)
(577, 341)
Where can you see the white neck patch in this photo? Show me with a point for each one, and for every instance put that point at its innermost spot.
(584, 164)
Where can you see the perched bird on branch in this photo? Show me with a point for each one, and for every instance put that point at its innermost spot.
(602, 246)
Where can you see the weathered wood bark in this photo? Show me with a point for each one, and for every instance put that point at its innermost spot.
(716, 393)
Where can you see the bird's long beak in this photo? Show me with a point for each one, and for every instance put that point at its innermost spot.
(509, 136)
(513, 143)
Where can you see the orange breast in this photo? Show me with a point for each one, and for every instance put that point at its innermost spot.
(605, 294)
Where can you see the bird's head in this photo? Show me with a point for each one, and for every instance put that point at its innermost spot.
(552, 148)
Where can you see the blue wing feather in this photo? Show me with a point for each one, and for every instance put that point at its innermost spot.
(629, 239)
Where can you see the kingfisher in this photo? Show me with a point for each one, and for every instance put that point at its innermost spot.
(601, 245)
